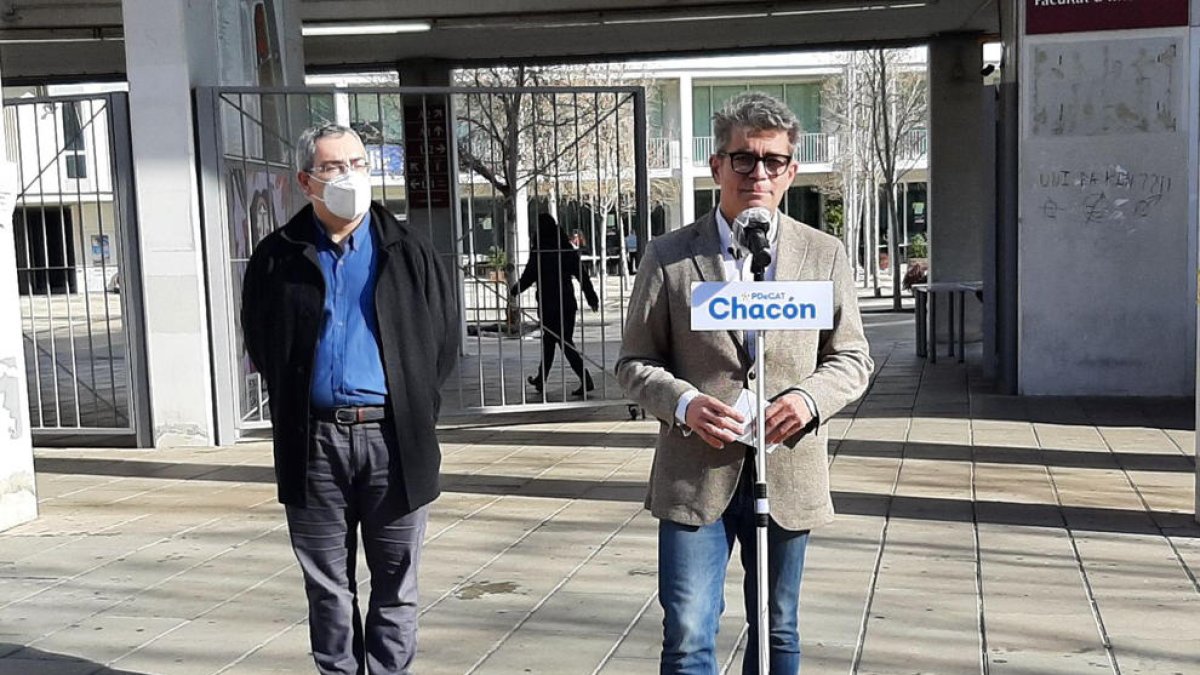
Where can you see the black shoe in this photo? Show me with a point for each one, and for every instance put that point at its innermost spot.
(587, 384)
(535, 383)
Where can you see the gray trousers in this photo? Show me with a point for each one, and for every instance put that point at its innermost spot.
(348, 488)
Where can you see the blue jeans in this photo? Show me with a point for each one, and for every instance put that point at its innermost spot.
(691, 582)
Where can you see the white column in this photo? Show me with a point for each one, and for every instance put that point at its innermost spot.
(169, 48)
(687, 183)
(521, 208)
(18, 494)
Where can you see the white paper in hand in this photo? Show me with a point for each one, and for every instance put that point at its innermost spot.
(747, 405)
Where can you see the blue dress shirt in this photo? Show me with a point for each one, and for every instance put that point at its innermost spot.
(348, 370)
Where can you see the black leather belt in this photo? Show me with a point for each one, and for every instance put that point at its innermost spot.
(371, 413)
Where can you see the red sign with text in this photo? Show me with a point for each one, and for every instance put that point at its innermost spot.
(1074, 16)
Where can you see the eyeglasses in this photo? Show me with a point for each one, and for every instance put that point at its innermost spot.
(745, 162)
(359, 164)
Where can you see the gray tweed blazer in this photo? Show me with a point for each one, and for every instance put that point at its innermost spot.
(661, 358)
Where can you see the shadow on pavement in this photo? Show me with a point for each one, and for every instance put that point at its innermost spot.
(1096, 519)
(1073, 459)
(22, 660)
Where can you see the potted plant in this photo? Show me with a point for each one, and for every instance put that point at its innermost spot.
(918, 261)
(918, 248)
(497, 263)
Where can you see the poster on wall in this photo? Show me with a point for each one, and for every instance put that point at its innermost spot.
(256, 207)
(1076, 16)
(101, 249)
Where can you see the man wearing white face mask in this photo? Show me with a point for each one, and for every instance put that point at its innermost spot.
(352, 320)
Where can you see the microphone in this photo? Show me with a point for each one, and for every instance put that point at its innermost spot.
(751, 228)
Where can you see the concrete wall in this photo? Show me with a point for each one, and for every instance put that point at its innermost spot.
(960, 205)
(1106, 266)
(18, 492)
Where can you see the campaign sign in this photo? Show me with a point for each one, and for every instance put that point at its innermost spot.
(762, 305)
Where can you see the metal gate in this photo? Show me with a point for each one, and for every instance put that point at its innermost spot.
(473, 167)
(77, 268)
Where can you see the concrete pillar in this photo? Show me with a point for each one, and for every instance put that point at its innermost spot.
(171, 47)
(292, 41)
(18, 492)
(1008, 144)
(960, 206)
(1194, 200)
(1107, 239)
(687, 183)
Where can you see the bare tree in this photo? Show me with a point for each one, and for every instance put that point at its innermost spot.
(876, 105)
(900, 106)
(577, 145)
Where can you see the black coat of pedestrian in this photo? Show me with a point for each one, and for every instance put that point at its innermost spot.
(552, 264)
(282, 307)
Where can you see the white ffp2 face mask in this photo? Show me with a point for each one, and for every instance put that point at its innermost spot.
(347, 196)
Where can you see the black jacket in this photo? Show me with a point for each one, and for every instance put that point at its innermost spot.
(283, 298)
(552, 271)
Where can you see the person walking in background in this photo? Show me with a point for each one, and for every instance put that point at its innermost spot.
(353, 321)
(552, 264)
(631, 250)
(578, 241)
(701, 485)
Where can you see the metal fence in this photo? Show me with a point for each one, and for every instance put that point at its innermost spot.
(473, 168)
(77, 267)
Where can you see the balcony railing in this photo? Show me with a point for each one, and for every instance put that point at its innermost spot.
(810, 149)
(913, 145)
(702, 149)
(823, 148)
(662, 153)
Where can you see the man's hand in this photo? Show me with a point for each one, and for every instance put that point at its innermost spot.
(715, 422)
(787, 416)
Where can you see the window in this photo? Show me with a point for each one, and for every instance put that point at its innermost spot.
(656, 102)
(803, 98)
(76, 166)
(803, 203)
(321, 109)
(73, 141)
(701, 111)
(377, 118)
(72, 128)
(805, 102)
(704, 200)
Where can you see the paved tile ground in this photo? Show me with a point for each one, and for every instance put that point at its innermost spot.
(977, 534)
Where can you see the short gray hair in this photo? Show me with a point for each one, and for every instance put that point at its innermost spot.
(306, 146)
(755, 111)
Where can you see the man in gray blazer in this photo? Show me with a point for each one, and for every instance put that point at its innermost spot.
(701, 482)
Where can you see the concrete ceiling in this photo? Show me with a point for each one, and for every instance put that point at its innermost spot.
(471, 31)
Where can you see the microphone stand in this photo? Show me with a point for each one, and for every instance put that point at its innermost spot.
(762, 511)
